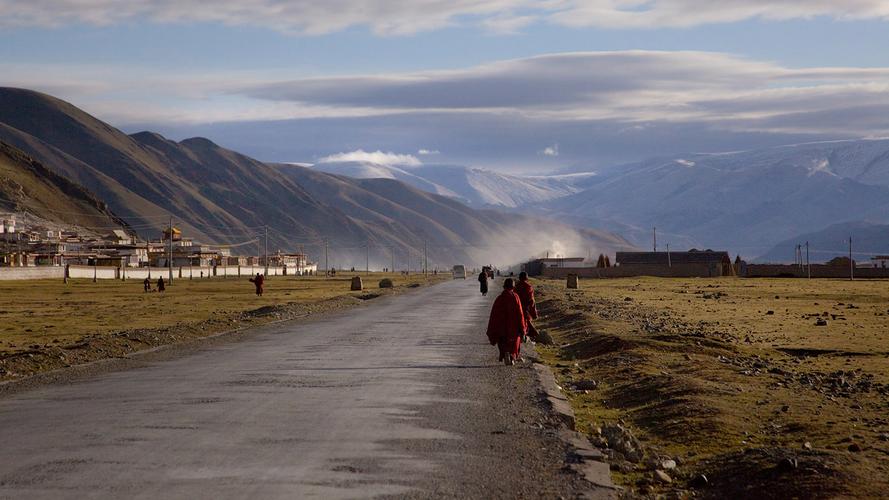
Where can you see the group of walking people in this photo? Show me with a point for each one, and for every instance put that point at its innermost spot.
(510, 321)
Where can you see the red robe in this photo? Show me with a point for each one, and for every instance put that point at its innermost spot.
(506, 326)
(526, 293)
(258, 282)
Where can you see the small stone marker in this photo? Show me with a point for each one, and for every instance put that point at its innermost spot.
(572, 281)
(357, 286)
(386, 283)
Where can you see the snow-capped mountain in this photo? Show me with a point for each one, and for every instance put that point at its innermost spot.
(473, 186)
(745, 201)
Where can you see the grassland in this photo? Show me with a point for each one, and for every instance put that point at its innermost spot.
(769, 388)
(48, 324)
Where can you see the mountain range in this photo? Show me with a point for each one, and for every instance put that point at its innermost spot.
(472, 186)
(745, 202)
(29, 187)
(220, 196)
(868, 240)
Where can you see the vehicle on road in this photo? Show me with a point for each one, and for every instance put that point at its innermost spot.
(459, 272)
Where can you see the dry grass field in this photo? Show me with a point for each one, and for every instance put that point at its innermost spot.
(46, 324)
(768, 388)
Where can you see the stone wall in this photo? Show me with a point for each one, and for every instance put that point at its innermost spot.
(32, 273)
(677, 271)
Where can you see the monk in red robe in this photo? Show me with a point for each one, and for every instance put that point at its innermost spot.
(526, 294)
(258, 282)
(506, 326)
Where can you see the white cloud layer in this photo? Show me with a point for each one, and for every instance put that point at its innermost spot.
(377, 157)
(397, 17)
(627, 87)
(676, 101)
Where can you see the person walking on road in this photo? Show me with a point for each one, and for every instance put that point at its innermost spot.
(161, 286)
(258, 281)
(526, 294)
(483, 283)
(506, 326)
(146, 285)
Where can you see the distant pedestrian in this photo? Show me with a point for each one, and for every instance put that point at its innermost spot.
(146, 285)
(506, 326)
(526, 294)
(161, 286)
(258, 281)
(483, 283)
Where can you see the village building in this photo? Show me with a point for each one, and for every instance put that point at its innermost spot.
(42, 246)
(536, 267)
(693, 256)
(880, 261)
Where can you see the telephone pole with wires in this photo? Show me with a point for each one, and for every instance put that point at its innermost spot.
(808, 264)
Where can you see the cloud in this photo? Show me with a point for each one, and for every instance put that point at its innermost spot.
(378, 157)
(629, 87)
(302, 17)
(495, 112)
(650, 14)
(428, 152)
(396, 17)
(551, 150)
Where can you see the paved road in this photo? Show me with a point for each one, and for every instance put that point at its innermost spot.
(399, 398)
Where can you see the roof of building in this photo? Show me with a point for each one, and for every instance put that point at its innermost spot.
(692, 256)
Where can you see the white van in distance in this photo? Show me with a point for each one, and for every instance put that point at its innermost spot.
(459, 272)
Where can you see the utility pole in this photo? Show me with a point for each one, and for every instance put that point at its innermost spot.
(392, 254)
(425, 260)
(367, 259)
(808, 264)
(669, 264)
(266, 250)
(170, 252)
(654, 233)
(851, 262)
(326, 262)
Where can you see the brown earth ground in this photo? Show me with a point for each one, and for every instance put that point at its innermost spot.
(47, 325)
(768, 388)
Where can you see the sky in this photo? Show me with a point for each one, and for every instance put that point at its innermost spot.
(520, 86)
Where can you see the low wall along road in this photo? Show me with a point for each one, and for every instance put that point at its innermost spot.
(136, 273)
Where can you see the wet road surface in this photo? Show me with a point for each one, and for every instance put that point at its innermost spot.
(402, 398)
